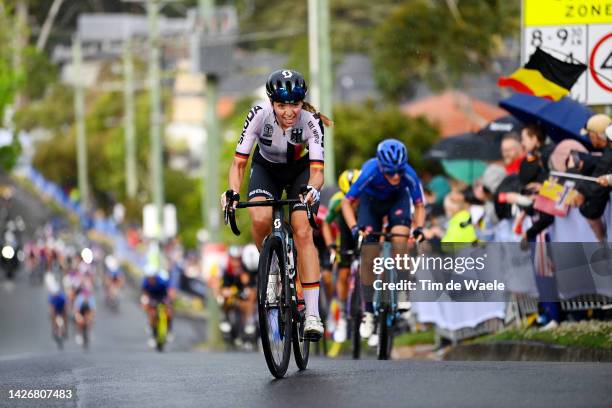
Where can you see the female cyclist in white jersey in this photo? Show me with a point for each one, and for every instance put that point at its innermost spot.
(288, 155)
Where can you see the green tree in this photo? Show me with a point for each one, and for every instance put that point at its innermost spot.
(439, 42)
(53, 112)
(359, 129)
(10, 81)
(352, 23)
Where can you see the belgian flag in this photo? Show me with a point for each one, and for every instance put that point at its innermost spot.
(545, 76)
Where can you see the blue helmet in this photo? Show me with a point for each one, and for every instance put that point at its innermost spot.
(391, 155)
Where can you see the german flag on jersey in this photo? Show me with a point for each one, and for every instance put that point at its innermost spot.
(544, 76)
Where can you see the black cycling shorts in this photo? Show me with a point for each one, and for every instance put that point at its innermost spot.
(347, 243)
(270, 180)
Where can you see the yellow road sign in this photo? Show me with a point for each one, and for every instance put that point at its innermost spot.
(566, 12)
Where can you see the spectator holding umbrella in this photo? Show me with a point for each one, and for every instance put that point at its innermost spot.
(592, 198)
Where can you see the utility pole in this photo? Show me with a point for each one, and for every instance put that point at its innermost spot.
(313, 52)
(131, 180)
(48, 24)
(210, 164)
(156, 114)
(79, 108)
(326, 75)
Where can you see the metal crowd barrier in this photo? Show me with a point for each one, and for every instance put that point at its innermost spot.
(585, 302)
(524, 306)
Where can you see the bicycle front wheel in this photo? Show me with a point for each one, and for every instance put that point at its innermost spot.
(386, 325)
(301, 346)
(274, 318)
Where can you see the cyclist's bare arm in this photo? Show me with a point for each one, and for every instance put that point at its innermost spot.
(327, 234)
(316, 177)
(418, 220)
(348, 213)
(236, 172)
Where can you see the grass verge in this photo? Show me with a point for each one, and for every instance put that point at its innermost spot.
(587, 334)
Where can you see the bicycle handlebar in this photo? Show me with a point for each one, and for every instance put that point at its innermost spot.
(386, 235)
(230, 213)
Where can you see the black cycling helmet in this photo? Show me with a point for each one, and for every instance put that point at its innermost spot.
(286, 86)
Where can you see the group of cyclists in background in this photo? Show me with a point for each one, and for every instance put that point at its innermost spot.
(69, 267)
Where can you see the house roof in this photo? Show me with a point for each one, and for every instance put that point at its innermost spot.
(454, 112)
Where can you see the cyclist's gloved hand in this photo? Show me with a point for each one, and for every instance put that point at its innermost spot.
(229, 199)
(309, 194)
(418, 235)
(355, 230)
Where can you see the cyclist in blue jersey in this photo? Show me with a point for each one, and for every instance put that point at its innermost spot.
(387, 187)
(57, 306)
(84, 309)
(156, 289)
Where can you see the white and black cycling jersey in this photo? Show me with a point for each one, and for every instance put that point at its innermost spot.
(281, 146)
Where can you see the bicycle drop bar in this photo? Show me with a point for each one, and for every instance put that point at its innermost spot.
(230, 215)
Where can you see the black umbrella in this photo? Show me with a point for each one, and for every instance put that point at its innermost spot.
(465, 146)
(497, 129)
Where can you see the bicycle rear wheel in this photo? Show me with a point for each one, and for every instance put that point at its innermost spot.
(386, 325)
(355, 312)
(162, 327)
(356, 316)
(301, 346)
(274, 319)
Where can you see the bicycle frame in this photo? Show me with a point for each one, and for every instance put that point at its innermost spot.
(282, 230)
(162, 323)
(391, 277)
(386, 306)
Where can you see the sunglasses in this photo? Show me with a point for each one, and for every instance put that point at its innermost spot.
(296, 94)
(392, 173)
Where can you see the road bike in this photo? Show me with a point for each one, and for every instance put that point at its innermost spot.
(281, 312)
(161, 332)
(59, 330)
(385, 303)
(354, 300)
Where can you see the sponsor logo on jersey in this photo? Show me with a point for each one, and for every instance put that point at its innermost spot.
(267, 130)
(267, 135)
(317, 138)
(248, 120)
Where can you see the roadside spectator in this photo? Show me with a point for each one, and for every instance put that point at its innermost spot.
(592, 198)
(512, 152)
(532, 174)
(460, 228)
